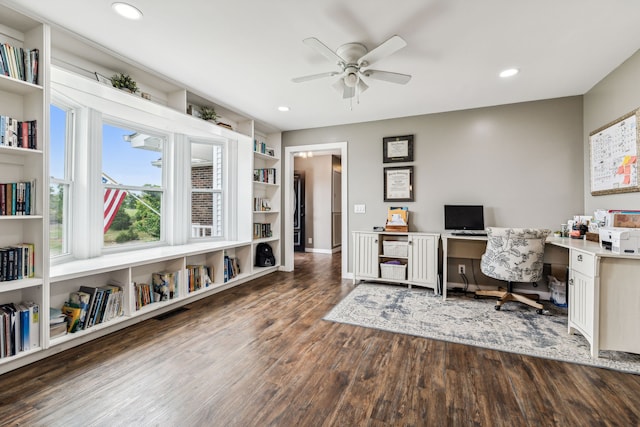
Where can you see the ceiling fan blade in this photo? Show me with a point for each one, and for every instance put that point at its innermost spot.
(388, 47)
(387, 76)
(323, 50)
(314, 76)
(362, 86)
(349, 92)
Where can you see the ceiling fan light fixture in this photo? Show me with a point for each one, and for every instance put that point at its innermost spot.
(509, 72)
(351, 80)
(127, 11)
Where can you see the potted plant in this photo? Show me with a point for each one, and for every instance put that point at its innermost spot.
(124, 81)
(208, 114)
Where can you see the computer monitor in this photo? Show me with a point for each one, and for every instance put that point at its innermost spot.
(464, 217)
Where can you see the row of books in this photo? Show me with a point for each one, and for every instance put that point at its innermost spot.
(231, 267)
(17, 262)
(16, 133)
(267, 175)
(261, 204)
(198, 277)
(19, 327)
(17, 198)
(19, 63)
(91, 306)
(261, 230)
(261, 147)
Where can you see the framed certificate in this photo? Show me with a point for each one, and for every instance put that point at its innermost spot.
(397, 149)
(398, 184)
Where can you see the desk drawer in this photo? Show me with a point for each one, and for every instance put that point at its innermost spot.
(583, 262)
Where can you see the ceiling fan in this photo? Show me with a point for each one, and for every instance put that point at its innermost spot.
(353, 60)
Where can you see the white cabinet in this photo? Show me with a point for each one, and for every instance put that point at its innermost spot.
(407, 258)
(583, 294)
(23, 229)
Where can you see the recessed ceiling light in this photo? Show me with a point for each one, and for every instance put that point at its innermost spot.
(127, 11)
(509, 72)
(283, 108)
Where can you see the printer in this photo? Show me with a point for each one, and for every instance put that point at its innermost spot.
(620, 240)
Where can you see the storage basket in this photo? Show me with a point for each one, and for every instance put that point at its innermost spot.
(393, 271)
(395, 248)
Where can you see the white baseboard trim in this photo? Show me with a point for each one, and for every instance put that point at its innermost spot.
(318, 251)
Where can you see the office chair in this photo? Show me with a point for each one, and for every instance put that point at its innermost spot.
(514, 255)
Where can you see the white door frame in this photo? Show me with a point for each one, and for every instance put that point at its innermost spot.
(288, 263)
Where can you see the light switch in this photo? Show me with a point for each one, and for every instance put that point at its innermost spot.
(359, 209)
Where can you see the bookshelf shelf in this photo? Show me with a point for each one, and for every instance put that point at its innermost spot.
(20, 87)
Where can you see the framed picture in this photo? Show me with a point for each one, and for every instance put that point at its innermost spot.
(103, 79)
(398, 184)
(397, 149)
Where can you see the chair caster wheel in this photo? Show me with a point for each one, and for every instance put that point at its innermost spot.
(497, 307)
(539, 311)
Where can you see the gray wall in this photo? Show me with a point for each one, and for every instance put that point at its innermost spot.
(523, 162)
(616, 95)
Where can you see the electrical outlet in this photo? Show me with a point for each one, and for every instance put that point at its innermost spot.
(310, 240)
(462, 269)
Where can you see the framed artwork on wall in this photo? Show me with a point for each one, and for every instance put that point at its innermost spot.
(397, 149)
(398, 184)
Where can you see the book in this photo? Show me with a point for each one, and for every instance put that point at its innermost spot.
(80, 300)
(165, 284)
(92, 302)
(34, 323)
(73, 316)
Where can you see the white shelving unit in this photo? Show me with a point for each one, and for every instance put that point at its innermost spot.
(415, 256)
(26, 101)
(50, 287)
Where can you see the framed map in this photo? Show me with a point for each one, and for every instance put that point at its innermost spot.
(614, 156)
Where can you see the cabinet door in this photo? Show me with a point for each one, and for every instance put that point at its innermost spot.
(365, 262)
(423, 260)
(581, 302)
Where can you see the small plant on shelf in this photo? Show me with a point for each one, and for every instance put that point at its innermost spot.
(208, 113)
(124, 81)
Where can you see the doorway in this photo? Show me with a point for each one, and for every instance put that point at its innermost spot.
(289, 203)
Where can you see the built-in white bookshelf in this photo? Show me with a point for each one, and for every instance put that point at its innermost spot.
(24, 101)
(65, 56)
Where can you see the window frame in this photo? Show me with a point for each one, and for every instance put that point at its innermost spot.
(67, 181)
(166, 137)
(221, 191)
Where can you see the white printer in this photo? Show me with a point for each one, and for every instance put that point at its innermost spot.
(620, 240)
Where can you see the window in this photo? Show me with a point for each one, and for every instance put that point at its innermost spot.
(132, 179)
(206, 190)
(60, 184)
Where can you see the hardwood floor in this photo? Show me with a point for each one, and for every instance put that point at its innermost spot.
(261, 355)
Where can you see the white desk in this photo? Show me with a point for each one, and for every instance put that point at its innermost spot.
(604, 288)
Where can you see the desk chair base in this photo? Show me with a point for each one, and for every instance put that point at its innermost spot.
(508, 295)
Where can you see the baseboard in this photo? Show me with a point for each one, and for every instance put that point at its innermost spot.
(319, 251)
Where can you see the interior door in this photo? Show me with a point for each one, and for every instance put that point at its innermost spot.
(298, 213)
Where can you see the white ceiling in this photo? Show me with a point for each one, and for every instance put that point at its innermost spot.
(244, 53)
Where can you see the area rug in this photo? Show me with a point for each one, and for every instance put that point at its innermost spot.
(465, 320)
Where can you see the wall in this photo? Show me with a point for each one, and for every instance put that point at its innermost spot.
(317, 171)
(614, 96)
(522, 161)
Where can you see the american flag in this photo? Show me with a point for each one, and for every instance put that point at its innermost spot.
(113, 198)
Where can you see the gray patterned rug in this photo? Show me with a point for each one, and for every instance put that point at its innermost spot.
(465, 320)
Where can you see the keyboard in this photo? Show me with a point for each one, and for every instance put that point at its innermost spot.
(469, 233)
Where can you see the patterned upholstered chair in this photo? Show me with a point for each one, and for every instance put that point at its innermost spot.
(513, 255)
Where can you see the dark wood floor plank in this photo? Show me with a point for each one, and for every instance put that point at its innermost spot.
(260, 354)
